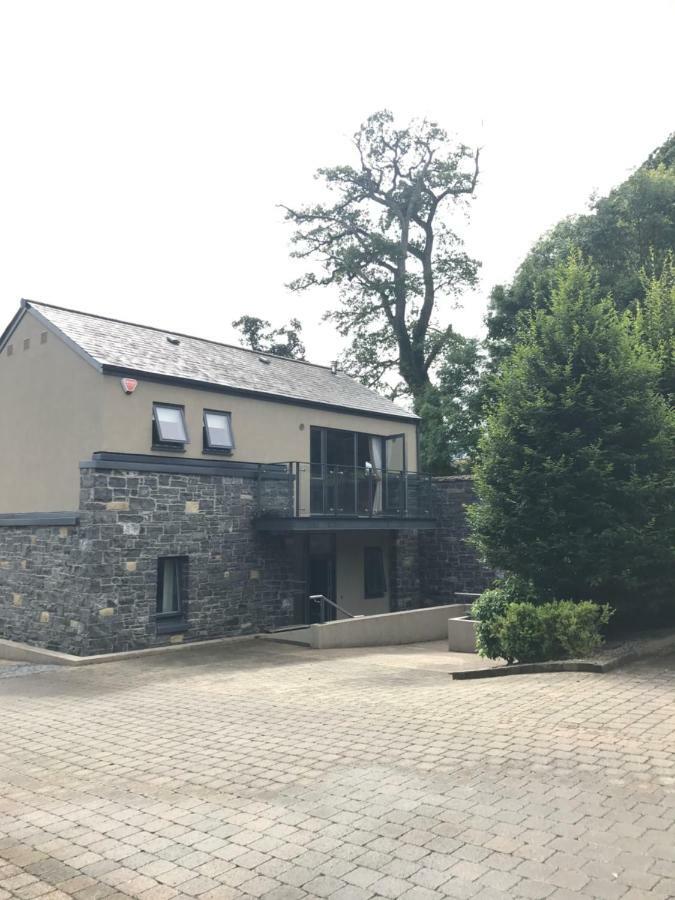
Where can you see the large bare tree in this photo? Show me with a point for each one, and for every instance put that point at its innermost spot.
(387, 243)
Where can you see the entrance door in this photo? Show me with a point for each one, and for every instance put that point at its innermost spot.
(320, 575)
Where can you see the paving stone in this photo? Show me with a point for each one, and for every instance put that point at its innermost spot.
(269, 771)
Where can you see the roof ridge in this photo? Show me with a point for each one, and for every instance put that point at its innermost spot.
(191, 337)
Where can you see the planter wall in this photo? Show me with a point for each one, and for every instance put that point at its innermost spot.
(462, 635)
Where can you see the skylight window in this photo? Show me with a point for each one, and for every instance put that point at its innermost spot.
(217, 431)
(168, 427)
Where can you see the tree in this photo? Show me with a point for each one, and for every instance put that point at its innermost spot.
(576, 477)
(387, 244)
(258, 334)
(653, 324)
(625, 233)
(451, 410)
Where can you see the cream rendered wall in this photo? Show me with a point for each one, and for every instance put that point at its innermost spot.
(50, 420)
(264, 430)
(349, 574)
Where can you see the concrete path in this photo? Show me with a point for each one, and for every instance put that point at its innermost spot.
(272, 771)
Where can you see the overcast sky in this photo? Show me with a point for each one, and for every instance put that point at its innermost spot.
(145, 144)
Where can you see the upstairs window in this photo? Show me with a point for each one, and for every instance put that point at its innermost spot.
(168, 427)
(375, 584)
(217, 432)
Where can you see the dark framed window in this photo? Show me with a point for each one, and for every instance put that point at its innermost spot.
(171, 591)
(375, 582)
(218, 437)
(169, 431)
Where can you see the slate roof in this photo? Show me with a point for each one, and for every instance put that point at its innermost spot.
(118, 345)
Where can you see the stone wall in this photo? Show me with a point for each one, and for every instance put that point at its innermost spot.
(40, 601)
(447, 561)
(405, 576)
(92, 588)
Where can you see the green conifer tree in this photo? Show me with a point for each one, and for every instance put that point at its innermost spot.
(576, 476)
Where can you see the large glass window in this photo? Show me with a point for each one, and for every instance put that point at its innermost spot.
(217, 431)
(355, 473)
(375, 583)
(171, 572)
(168, 426)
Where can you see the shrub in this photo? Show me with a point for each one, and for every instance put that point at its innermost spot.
(492, 604)
(557, 630)
(487, 611)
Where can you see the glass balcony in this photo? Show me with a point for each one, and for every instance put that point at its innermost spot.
(297, 489)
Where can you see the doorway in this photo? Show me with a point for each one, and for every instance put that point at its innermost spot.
(321, 553)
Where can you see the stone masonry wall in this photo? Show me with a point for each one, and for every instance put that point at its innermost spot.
(40, 602)
(405, 575)
(92, 588)
(429, 566)
(448, 563)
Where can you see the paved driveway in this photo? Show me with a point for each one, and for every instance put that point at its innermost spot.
(270, 771)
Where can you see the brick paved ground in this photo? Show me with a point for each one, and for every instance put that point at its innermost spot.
(275, 772)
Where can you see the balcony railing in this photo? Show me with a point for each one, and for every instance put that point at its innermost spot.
(297, 489)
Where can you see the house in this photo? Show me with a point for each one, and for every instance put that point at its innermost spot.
(159, 487)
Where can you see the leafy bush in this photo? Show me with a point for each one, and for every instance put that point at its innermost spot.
(487, 611)
(530, 633)
(492, 604)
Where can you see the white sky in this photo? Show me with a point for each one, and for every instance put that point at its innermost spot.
(144, 145)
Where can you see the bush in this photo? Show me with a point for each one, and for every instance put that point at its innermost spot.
(530, 633)
(492, 604)
(487, 611)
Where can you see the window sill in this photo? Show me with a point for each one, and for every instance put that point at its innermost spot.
(168, 448)
(209, 451)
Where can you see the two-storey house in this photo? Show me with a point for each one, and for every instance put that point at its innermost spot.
(156, 486)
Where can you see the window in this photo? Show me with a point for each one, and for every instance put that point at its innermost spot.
(168, 427)
(217, 432)
(375, 584)
(171, 584)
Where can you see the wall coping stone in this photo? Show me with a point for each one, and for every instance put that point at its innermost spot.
(143, 462)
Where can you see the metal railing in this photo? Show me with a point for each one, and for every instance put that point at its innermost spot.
(318, 489)
(322, 600)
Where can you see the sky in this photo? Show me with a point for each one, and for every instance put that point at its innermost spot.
(145, 146)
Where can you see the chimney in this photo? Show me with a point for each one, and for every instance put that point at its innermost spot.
(334, 367)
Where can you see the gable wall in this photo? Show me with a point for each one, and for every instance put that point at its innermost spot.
(50, 419)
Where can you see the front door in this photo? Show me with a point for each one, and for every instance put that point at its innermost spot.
(320, 575)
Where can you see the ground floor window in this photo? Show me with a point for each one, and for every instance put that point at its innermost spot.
(375, 583)
(171, 589)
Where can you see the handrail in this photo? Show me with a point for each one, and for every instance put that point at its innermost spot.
(383, 468)
(322, 600)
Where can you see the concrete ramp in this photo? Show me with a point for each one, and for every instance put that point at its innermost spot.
(409, 627)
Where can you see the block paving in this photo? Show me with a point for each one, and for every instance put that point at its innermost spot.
(255, 770)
